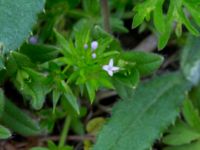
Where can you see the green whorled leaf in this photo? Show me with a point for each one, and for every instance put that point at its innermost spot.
(17, 61)
(191, 115)
(4, 132)
(71, 98)
(39, 53)
(184, 132)
(194, 95)
(91, 90)
(117, 25)
(18, 121)
(191, 146)
(180, 134)
(36, 87)
(190, 60)
(146, 114)
(17, 19)
(56, 94)
(62, 43)
(145, 62)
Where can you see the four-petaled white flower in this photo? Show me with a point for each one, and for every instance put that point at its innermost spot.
(110, 69)
(94, 45)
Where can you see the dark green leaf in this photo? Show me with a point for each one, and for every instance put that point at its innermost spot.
(39, 53)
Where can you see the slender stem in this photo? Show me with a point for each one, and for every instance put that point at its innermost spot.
(106, 15)
(65, 130)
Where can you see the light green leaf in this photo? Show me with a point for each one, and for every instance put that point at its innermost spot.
(158, 16)
(56, 97)
(4, 132)
(180, 134)
(17, 19)
(71, 98)
(192, 146)
(191, 115)
(146, 114)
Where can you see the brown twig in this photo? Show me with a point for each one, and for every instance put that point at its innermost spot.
(106, 15)
(148, 44)
(70, 137)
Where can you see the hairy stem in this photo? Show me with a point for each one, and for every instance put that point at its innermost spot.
(65, 130)
(106, 15)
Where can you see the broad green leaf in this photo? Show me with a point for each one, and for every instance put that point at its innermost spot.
(137, 122)
(18, 121)
(145, 62)
(4, 133)
(190, 60)
(17, 19)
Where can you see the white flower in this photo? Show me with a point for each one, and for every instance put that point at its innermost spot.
(94, 55)
(110, 69)
(94, 45)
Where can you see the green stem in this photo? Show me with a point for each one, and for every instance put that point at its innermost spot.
(64, 131)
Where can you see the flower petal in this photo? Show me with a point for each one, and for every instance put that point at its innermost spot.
(111, 62)
(105, 67)
(110, 72)
(115, 68)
